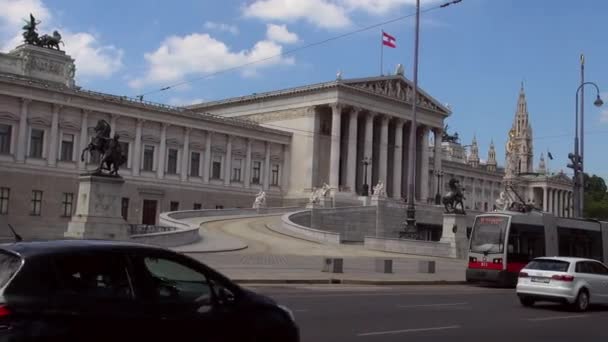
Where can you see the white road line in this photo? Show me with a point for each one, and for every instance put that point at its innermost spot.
(408, 330)
(537, 319)
(430, 305)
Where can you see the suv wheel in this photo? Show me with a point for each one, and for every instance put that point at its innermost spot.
(526, 301)
(582, 301)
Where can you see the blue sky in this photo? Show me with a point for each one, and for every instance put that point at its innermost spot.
(474, 55)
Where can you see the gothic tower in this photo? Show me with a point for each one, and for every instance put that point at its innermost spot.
(474, 156)
(491, 164)
(519, 146)
(542, 168)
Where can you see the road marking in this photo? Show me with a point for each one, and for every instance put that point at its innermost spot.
(431, 305)
(538, 319)
(408, 330)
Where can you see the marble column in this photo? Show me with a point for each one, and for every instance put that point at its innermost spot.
(267, 167)
(247, 181)
(545, 199)
(228, 162)
(207, 166)
(186, 154)
(285, 171)
(334, 152)
(550, 203)
(351, 158)
(162, 152)
(369, 148)
(424, 168)
(383, 150)
(137, 157)
(22, 137)
(54, 139)
(562, 203)
(437, 157)
(397, 159)
(84, 137)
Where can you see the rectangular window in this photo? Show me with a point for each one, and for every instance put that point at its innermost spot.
(124, 148)
(124, 208)
(36, 209)
(4, 197)
(67, 204)
(36, 143)
(67, 147)
(148, 157)
(174, 206)
(195, 162)
(5, 138)
(275, 175)
(216, 167)
(255, 177)
(172, 161)
(236, 170)
(197, 206)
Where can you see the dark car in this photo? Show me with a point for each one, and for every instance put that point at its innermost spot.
(84, 290)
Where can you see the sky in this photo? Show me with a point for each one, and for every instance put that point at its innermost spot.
(473, 55)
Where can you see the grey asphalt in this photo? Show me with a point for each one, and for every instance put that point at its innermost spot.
(431, 313)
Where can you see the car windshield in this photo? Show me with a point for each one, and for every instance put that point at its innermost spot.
(548, 265)
(489, 234)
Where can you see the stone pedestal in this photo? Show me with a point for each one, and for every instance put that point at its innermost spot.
(455, 233)
(98, 210)
(40, 63)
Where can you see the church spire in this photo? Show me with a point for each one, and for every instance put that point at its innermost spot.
(519, 146)
(474, 156)
(491, 164)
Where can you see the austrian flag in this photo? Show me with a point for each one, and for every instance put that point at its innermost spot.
(388, 40)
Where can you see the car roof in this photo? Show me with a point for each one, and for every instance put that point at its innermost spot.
(48, 247)
(567, 259)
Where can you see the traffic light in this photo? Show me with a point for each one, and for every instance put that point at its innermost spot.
(577, 162)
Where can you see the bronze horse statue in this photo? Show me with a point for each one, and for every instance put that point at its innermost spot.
(99, 143)
(454, 198)
(113, 158)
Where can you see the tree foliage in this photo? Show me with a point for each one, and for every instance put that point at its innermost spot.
(596, 197)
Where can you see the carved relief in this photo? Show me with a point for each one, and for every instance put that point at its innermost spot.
(398, 90)
(46, 65)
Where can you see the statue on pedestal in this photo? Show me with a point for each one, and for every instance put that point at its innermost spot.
(325, 190)
(108, 148)
(315, 196)
(30, 35)
(454, 198)
(260, 200)
(378, 190)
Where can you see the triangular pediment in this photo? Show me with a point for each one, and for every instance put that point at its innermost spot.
(398, 88)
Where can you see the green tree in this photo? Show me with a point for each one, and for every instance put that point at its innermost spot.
(596, 197)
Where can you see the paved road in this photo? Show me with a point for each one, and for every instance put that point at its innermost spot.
(431, 313)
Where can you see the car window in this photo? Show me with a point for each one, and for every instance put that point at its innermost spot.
(599, 268)
(173, 281)
(98, 275)
(548, 265)
(9, 264)
(584, 267)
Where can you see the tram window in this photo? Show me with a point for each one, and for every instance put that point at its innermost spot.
(580, 243)
(526, 242)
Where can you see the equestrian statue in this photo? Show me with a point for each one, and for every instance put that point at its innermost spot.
(30, 35)
(109, 149)
(454, 198)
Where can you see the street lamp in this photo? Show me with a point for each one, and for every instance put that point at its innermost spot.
(410, 222)
(576, 158)
(366, 161)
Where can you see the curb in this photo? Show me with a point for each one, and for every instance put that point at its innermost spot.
(348, 282)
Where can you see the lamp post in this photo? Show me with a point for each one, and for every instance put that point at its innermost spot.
(410, 222)
(366, 161)
(576, 158)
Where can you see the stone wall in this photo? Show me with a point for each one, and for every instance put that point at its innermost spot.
(323, 236)
(352, 223)
(417, 247)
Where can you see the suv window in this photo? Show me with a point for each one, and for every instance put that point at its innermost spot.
(598, 268)
(9, 264)
(174, 282)
(548, 265)
(99, 275)
(584, 267)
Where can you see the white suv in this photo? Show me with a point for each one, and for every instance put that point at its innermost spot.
(574, 281)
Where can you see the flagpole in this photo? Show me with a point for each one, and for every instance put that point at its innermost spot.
(381, 51)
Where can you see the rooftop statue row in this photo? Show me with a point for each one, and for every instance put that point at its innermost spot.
(30, 35)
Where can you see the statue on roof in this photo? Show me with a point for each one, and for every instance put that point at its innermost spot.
(30, 35)
(445, 136)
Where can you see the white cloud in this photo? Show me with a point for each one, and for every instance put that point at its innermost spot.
(322, 13)
(381, 6)
(210, 25)
(198, 53)
(93, 58)
(280, 34)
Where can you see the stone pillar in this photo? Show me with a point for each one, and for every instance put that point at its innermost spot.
(285, 170)
(397, 159)
(228, 163)
(136, 164)
(570, 205)
(334, 153)
(207, 166)
(545, 199)
(247, 181)
(562, 204)
(186, 154)
(424, 168)
(351, 168)
(84, 137)
(162, 152)
(454, 232)
(267, 167)
(383, 157)
(22, 137)
(550, 203)
(54, 140)
(369, 144)
(437, 157)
